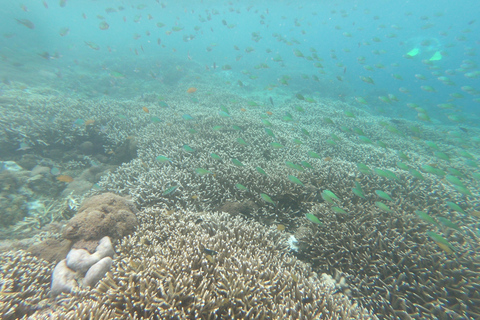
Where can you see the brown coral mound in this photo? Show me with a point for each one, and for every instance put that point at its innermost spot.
(24, 284)
(394, 269)
(103, 215)
(213, 266)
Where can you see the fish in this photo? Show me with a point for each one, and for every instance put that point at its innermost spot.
(191, 90)
(455, 207)
(261, 171)
(295, 180)
(188, 148)
(64, 178)
(202, 172)
(441, 242)
(145, 109)
(241, 187)
(267, 198)
(313, 219)
(215, 156)
(425, 217)
(383, 195)
(169, 190)
(271, 101)
(187, 117)
(449, 224)
(383, 206)
(237, 163)
(163, 159)
(27, 23)
(329, 196)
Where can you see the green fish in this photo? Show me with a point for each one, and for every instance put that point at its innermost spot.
(269, 132)
(293, 166)
(163, 159)
(202, 172)
(217, 128)
(402, 155)
(381, 172)
(328, 120)
(306, 165)
(383, 206)
(363, 168)
(455, 207)
(215, 156)
(236, 128)
(339, 210)
(237, 163)
(313, 154)
(449, 224)
(365, 139)
(241, 187)
(441, 155)
(454, 180)
(295, 180)
(383, 195)
(358, 193)
(241, 142)
(463, 190)
(266, 123)
(169, 190)
(276, 145)
(305, 132)
(416, 174)
(188, 148)
(329, 196)
(313, 219)
(261, 171)
(403, 166)
(296, 141)
(441, 242)
(425, 217)
(267, 198)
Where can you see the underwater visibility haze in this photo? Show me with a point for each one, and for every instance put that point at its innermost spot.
(239, 159)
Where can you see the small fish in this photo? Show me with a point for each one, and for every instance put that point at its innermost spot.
(358, 193)
(455, 207)
(313, 154)
(261, 171)
(339, 210)
(145, 109)
(210, 252)
(441, 242)
(163, 159)
(329, 196)
(313, 219)
(27, 23)
(223, 114)
(242, 142)
(280, 227)
(295, 180)
(383, 206)
(383, 195)
(271, 101)
(449, 224)
(241, 187)
(202, 172)
(425, 217)
(64, 178)
(187, 148)
(237, 163)
(169, 190)
(267, 198)
(215, 156)
(276, 145)
(187, 117)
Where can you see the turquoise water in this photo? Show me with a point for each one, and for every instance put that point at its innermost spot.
(351, 127)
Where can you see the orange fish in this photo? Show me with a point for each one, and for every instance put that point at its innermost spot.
(89, 122)
(328, 158)
(145, 109)
(191, 90)
(269, 113)
(280, 227)
(64, 178)
(243, 109)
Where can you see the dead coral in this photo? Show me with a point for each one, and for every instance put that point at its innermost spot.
(102, 215)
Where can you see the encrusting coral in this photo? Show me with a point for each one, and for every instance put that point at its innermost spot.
(103, 215)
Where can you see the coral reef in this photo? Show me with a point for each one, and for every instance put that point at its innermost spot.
(393, 268)
(204, 265)
(24, 284)
(102, 215)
